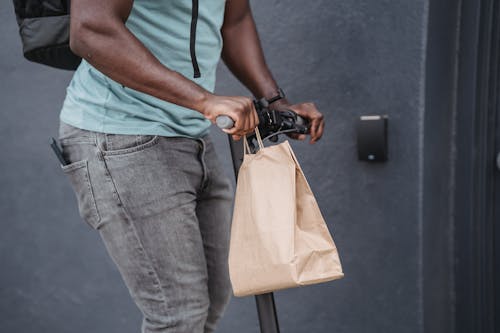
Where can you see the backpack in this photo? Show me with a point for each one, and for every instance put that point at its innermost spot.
(44, 30)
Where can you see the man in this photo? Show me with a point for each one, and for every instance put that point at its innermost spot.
(134, 130)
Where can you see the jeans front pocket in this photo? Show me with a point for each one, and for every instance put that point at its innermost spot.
(120, 144)
(78, 174)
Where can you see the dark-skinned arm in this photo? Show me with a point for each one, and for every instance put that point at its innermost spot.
(243, 55)
(99, 35)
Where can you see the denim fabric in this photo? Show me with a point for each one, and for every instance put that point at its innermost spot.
(162, 206)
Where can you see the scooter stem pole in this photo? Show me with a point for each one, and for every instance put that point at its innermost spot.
(266, 308)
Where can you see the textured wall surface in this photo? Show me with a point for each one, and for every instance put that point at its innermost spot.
(351, 57)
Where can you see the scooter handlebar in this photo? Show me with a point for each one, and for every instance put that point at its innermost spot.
(224, 122)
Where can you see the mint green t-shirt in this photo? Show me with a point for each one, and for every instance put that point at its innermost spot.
(97, 103)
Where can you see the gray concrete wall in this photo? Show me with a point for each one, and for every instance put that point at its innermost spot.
(351, 58)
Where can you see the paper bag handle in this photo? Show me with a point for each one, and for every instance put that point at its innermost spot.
(246, 147)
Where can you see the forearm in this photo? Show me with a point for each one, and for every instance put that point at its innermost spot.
(242, 53)
(116, 52)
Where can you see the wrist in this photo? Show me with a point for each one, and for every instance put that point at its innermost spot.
(280, 104)
(202, 102)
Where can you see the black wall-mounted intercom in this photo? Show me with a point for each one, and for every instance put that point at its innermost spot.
(372, 138)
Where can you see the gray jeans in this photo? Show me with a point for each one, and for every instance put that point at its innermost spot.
(162, 206)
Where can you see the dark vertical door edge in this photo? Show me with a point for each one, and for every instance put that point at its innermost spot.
(476, 192)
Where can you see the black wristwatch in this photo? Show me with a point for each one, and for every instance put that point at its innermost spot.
(280, 95)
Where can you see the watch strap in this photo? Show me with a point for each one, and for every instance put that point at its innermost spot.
(280, 95)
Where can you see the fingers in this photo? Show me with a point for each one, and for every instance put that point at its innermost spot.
(314, 131)
(245, 118)
(321, 129)
(297, 136)
(316, 121)
(245, 124)
(253, 119)
(255, 116)
(317, 128)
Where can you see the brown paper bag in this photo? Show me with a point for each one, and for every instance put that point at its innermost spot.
(279, 238)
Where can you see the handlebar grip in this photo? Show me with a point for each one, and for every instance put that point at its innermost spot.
(224, 122)
(301, 121)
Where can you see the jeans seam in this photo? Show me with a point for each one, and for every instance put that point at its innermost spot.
(94, 218)
(135, 149)
(150, 263)
(205, 178)
(92, 196)
(76, 141)
(108, 142)
(109, 179)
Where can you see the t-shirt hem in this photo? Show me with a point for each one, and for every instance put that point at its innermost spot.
(110, 129)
